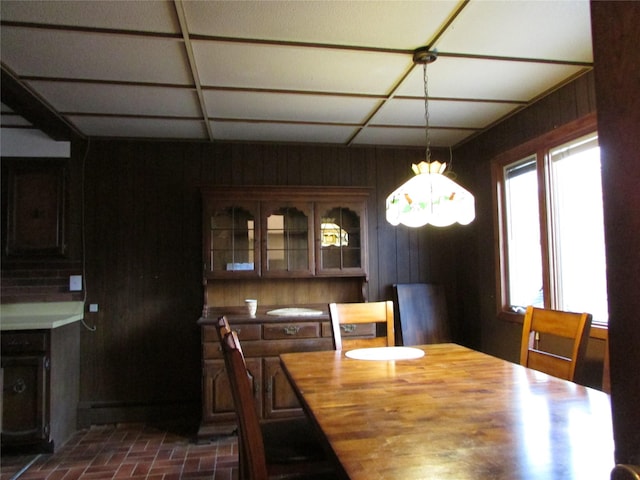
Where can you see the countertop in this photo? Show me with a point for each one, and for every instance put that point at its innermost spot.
(238, 314)
(39, 315)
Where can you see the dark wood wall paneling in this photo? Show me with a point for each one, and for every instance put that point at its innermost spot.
(615, 31)
(476, 247)
(143, 256)
(143, 247)
(616, 28)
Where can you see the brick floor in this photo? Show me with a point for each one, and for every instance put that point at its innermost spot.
(129, 451)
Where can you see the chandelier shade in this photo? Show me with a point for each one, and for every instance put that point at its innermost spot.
(430, 197)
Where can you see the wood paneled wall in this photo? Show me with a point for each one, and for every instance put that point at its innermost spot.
(142, 235)
(477, 249)
(616, 30)
(142, 238)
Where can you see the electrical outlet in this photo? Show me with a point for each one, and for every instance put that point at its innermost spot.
(93, 307)
(75, 283)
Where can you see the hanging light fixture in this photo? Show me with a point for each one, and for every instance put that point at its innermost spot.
(430, 197)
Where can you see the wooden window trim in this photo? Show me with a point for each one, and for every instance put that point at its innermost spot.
(539, 147)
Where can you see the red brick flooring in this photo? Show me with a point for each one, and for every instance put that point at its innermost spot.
(130, 451)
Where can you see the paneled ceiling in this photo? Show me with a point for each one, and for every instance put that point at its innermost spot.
(328, 72)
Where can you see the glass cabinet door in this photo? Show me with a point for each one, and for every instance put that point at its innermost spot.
(233, 239)
(287, 238)
(340, 239)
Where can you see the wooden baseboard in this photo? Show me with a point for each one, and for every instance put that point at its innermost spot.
(185, 414)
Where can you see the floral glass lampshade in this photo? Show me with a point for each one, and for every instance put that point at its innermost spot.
(430, 198)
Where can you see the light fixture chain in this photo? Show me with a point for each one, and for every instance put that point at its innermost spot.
(426, 112)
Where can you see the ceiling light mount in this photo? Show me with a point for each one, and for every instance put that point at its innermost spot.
(424, 55)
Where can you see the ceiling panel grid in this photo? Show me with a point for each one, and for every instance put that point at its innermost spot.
(337, 72)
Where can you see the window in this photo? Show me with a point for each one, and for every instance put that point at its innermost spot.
(550, 224)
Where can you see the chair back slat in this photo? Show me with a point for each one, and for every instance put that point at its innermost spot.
(568, 325)
(378, 313)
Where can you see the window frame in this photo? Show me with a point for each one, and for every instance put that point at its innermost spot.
(540, 147)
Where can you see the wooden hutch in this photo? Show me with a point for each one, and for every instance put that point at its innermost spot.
(291, 248)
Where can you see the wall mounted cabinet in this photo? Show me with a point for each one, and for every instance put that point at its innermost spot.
(35, 224)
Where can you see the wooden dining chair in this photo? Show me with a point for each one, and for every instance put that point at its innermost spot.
(555, 323)
(359, 325)
(283, 450)
(222, 327)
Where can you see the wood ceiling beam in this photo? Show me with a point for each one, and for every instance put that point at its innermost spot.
(23, 101)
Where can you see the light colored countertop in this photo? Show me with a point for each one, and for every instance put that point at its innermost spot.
(42, 315)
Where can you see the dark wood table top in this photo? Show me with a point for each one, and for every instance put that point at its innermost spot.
(453, 414)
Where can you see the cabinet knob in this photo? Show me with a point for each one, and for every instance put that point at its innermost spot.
(18, 387)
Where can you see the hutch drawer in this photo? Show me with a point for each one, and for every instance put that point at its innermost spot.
(291, 330)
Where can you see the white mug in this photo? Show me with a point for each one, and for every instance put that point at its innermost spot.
(252, 306)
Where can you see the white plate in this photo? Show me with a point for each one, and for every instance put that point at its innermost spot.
(295, 312)
(385, 353)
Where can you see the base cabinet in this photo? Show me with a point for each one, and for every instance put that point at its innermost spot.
(279, 398)
(25, 414)
(217, 403)
(263, 339)
(40, 376)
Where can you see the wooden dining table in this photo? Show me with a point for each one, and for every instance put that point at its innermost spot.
(452, 414)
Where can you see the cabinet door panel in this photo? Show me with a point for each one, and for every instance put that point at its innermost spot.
(24, 400)
(280, 399)
(287, 239)
(231, 245)
(36, 204)
(217, 401)
(341, 239)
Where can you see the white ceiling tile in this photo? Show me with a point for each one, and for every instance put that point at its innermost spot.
(119, 99)
(295, 75)
(486, 79)
(401, 111)
(138, 15)
(380, 24)
(558, 30)
(140, 127)
(409, 136)
(223, 64)
(281, 132)
(99, 56)
(288, 107)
